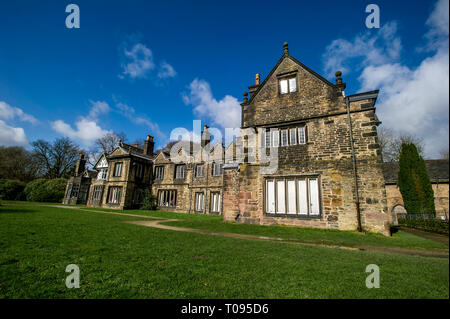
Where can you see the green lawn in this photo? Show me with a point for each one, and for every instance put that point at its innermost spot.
(399, 239)
(119, 260)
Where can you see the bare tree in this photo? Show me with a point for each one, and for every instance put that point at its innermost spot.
(391, 144)
(109, 142)
(444, 153)
(55, 160)
(16, 163)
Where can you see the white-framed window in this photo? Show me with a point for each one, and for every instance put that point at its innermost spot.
(97, 193)
(284, 138)
(215, 202)
(180, 171)
(199, 170)
(102, 174)
(118, 169)
(217, 169)
(288, 85)
(115, 193)
(293, 136)
(159, 172)
(293, 196)
(199, 202)
(167, 197)
(139, 170)
(275, 138)
(301, 135)
(267, 139)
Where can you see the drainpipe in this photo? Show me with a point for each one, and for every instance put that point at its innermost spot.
(355, 175)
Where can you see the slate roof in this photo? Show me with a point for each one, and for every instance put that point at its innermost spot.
(438, 170)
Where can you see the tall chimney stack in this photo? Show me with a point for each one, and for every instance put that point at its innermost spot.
(252, 89)
(149, 145)
(80, 165)
(206, 136)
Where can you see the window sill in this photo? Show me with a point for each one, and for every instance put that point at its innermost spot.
(296, 216)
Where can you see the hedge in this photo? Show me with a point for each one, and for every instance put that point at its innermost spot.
(432, 225)
(12, 189)
(46, 190)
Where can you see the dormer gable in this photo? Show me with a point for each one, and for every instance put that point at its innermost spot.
(291, 91)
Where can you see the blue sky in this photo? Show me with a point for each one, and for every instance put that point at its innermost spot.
(147, 67)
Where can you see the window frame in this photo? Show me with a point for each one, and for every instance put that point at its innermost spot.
(281, 137)
(200, 168)
(211, 209)
(118, 195)
(217, 166)
(277, 134)
(296, 178)
(288, 79)
(118, 164)
(197, 195)
(159, 172)
(176, 171)
(303, 130)
(293, 135)
(169, 194)
(139, 171)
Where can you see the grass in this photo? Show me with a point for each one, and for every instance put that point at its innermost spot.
(399, 239)
(119, 260)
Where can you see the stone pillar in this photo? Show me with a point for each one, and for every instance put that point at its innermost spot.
(230, 192)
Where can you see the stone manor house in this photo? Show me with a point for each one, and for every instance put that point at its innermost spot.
(329, 171)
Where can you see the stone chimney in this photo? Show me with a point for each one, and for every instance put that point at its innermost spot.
(206, 136)
(340, 86)
(80, 166)
(285, 48)
(252, 89)
(149, 145)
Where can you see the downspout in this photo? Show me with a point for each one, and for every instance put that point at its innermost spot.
(355, 175)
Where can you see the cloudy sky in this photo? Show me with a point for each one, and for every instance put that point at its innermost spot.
(150, 67)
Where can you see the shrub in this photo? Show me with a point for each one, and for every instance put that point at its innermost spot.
(12, 189)
(432, 225)
(414, 182)
(149, 201)
(46, 190)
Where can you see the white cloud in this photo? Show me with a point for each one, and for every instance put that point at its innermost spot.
(225, 113)
(412, 100)
(130, 113)
(8, 112)
(368, 48)
(86, 129)
(12, 136)
(98, 107)
(166, 71)
(139, 61)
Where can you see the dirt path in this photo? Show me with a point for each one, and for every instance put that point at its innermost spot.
(442, 239)
(156, 222)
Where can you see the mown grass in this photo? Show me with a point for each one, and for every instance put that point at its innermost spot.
(399, 239)
(119, 260)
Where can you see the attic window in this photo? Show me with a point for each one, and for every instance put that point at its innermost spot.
(288, 85)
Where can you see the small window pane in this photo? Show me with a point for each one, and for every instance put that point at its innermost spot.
(267, 139)
(292, 85)
(301, 135)
(275, 138)
(283, 86)
(313, 196)
(284, 137)
(270, 197)
(293, 136)
(280, 197)
(302, 197)
(292, 207)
